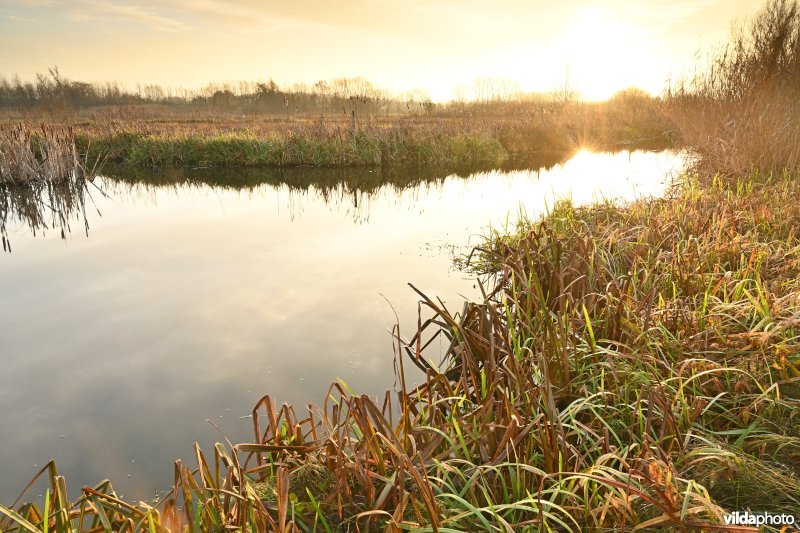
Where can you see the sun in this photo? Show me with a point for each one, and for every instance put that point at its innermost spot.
(604, 51)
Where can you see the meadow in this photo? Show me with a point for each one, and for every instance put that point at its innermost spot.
(630, 367)
(305, 127)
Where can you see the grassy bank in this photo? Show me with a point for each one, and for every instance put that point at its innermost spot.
(487, 136)
(292, 149)
(194, 134)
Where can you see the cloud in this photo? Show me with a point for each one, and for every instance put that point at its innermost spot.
(18, 19)
(95, 10)
(676, 9)
(37, 3)
(413, 20)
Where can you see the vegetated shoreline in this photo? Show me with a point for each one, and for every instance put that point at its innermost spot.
(343, 123)
(248, 131)
(634, 365)
(360, 149)
(393, 146)
(486, 138)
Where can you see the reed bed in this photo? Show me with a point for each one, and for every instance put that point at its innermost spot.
(490, 136)
(629, 367)
(742, 112)
(491, 131)
(48, 153)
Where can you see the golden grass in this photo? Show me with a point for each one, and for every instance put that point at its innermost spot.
(743, 112)
(516, 128)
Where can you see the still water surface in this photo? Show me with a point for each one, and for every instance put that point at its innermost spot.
(191, 298)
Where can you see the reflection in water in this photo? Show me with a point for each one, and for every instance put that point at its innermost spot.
(46, 205)
(43, 205)
(349, 191)
(197, 293)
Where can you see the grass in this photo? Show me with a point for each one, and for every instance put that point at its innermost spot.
(482, 132)
(476, 134)
(462, 136)
(293, 149)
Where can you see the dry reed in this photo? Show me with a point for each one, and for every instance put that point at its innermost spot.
(742, 113)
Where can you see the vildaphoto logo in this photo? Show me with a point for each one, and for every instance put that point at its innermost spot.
(758, 519)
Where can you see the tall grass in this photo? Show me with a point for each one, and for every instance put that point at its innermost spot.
(743, 112)
(47, 154)
(295, 149)
(353, 130)
(486, 134)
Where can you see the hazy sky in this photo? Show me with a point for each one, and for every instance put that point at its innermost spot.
(436, 45)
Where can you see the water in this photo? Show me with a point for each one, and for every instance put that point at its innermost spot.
(190, 299)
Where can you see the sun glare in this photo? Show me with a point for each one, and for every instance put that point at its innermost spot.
(604, 53)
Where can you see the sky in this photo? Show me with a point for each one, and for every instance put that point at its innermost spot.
(439, 46)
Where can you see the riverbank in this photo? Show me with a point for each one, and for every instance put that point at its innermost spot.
(187, 135)
(630, 364)
(294, 149)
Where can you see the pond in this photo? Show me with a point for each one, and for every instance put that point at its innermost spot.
(191, 295)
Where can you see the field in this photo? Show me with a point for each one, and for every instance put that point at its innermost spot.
(192, 133)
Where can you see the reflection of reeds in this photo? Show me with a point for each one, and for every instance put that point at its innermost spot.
(43, 205)
(355, 179)
(42, 179)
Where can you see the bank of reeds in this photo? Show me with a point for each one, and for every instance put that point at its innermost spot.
(461, 137)
(483, 131)
(629, 367)
(44, 154)
(743, 111)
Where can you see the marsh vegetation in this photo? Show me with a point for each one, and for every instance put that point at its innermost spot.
(342, 123)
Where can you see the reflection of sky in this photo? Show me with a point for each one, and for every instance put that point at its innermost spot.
(190, 303)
